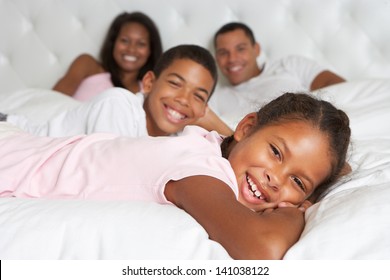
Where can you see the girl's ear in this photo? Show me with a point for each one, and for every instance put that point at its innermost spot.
(345, 170)
(245, 126)
(147, 82)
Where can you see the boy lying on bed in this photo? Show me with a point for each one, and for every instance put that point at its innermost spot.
(174, 95)
(248, 190)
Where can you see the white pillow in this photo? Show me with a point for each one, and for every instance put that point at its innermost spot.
(354, 224)
(367, 103)
(81, 229)
(352, 221)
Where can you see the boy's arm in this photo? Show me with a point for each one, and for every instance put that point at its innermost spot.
(243, 233)
(211, 121)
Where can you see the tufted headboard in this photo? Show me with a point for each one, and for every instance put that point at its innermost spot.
(40, 38)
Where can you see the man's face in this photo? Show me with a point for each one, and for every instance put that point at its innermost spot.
(236, 56)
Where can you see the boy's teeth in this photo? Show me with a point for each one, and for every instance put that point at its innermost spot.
(175, 114)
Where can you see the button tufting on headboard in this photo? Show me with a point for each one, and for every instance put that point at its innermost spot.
(39, 39)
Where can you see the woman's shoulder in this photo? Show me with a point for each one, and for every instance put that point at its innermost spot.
(88, 64)
(85, 57)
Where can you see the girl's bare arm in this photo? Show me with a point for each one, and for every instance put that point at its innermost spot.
(242, 232)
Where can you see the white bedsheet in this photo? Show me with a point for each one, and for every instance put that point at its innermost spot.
(352, 222)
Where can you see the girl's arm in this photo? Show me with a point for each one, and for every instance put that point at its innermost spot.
(82, 67)
(243, 233)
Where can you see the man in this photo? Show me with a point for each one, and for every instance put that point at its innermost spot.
(250, 84)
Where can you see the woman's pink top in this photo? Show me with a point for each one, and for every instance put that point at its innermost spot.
(108, 167)
(92, 86)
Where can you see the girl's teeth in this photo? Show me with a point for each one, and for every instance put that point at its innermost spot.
(254, 189)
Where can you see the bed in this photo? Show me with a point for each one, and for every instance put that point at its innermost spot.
(38, 40)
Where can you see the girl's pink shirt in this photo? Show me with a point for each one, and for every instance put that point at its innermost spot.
(108, 167)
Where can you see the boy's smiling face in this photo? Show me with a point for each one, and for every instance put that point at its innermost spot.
(178, 97)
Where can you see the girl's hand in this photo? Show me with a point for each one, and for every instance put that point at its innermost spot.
(303, 206)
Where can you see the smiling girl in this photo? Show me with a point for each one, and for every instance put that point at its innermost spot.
(249, 191)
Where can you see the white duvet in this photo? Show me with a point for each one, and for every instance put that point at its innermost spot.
(351, 222)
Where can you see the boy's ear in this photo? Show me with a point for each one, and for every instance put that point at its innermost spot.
(147, 82)
(245, 126)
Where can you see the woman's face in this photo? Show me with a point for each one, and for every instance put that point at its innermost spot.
(279, 163)
(132, 47)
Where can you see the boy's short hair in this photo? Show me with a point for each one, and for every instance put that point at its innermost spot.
(229, 27)
(195, 53)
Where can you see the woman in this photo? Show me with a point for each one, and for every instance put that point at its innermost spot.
(131, 48)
